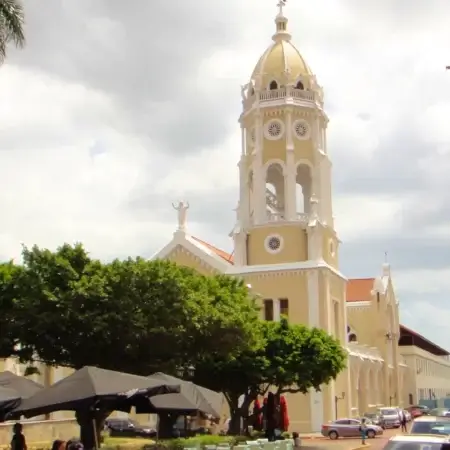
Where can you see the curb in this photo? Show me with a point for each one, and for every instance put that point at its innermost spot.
(312, 438)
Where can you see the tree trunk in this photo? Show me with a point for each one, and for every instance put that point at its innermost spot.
(234, 427)
(166, 425)
(91, 427)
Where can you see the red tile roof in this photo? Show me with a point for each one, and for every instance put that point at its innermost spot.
(224, 255)
(359, 289)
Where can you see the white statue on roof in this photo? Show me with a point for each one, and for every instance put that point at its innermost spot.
(182, 208)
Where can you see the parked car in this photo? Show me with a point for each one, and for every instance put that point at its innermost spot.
(417, 442)
(376, 419)
(128, 428)
(349, 428)
(391, 416)
(430, 425)
(445, 412)
(418, 410)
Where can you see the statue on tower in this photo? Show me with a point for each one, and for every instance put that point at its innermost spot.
(182, 208)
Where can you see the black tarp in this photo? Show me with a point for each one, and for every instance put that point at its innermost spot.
(191, 399)
(91, 386)
(22, 385)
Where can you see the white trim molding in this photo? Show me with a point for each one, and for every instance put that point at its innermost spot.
(274, 162)
(190, 244)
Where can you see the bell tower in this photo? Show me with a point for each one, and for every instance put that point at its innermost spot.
(284, 213)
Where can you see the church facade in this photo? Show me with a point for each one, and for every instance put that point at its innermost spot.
(285, 243)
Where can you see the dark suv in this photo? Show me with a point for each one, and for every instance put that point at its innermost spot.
(128, 428)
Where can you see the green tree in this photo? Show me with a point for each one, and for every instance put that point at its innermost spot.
(9, 292)
(292, 358)
(11, 25)
(136, 316)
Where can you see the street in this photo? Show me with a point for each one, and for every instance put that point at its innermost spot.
(351, 443)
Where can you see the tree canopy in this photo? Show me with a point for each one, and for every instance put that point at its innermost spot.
(133, 315)
(11, 25)
(9, 292)
(291, 358)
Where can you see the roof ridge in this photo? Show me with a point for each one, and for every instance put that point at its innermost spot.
(219, 252)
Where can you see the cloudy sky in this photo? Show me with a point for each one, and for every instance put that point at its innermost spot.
(112, 112)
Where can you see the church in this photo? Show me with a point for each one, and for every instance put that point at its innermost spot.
(286, 249)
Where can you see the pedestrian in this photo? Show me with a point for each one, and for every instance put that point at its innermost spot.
(363, 431)
(403, 421)
(297, 440)
(18, 441)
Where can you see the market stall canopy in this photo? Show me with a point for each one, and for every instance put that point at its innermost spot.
(190, 399)
(22, 385)
(91, 386)
(9, 398)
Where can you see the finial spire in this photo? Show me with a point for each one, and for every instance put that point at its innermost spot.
(281, 4)
(281, 23)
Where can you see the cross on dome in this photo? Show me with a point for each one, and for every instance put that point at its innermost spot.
(281, 23)
(281, 4)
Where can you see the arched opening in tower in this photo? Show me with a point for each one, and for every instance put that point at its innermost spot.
(303, 189)
(275, 192)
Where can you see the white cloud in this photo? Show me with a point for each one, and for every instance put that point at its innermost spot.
(359, 217)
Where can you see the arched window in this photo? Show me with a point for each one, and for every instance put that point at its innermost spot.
(300, 86)
(273, 85)
(352, 337)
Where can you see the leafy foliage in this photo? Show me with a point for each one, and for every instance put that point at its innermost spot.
(135, 315)
(11, 25)
(301, 358)
(9, 292)
(292, 358)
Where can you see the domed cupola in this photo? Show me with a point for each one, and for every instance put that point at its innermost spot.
(282, 66)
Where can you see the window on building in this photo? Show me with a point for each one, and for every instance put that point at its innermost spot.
(268, 309)
(284, 307)
(273, 85)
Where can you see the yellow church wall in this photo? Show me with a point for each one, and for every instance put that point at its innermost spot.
(274, 150)
(188, 260)
(294, 287)
(303, 150)
(294, 248)
(362, 322)
(291, 285)
(330, 247)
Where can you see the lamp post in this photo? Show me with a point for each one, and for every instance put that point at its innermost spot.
(391, 397)
(336, 401)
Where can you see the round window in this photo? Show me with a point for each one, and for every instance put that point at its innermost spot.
(301, 129)
(274, 243)
(274, 129)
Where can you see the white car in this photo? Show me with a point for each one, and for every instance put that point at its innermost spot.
(430, 425)
(418, 442)
(391, 416)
